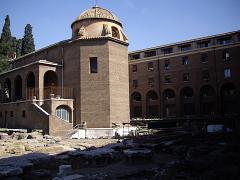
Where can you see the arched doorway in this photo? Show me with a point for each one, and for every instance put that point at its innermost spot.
(207, 100)
(7, 90)
(187, 101)
(169, 103)
(50, 83)
(229, 99)
(64, 112)
(152, 105)
(18, 88)
(136, 105)
(30, 85)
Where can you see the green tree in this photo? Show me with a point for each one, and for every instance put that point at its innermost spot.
(6, 32)
(18, 47)
(7, 45)
(4, 63)
(27, 41)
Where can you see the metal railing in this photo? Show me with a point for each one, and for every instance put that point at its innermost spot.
(65, 92)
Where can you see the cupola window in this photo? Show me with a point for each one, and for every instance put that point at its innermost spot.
(115, 33)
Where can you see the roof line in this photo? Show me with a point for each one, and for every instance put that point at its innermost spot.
(41, 49)
(186, 41)
(44, 62)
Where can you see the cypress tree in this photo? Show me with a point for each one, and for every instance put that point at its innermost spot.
(6, 32)
(27, 41)
(7, 42)
(7, 48)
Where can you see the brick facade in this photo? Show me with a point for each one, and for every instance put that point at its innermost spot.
(195, 78)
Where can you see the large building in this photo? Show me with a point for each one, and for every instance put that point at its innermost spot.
(198, 78)
(89, 77)
(83, 79)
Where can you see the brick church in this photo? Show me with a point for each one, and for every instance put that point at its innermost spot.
(82, 79)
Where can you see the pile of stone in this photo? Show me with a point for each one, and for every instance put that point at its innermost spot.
(168, 155)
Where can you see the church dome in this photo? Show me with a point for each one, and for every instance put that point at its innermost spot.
(97, 22)
(97, 13)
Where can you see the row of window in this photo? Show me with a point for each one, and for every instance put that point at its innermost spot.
(185, 77)
(12, 114)
(185, 61)
(184, 47)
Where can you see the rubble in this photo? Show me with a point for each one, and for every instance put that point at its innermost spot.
(173, 154)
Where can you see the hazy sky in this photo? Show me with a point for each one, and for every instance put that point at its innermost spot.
(147, 23)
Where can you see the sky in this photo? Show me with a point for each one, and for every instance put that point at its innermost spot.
(147, 23)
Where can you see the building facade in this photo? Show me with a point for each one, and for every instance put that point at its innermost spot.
(83, 79)
(196, 78)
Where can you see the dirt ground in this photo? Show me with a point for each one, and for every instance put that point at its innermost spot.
(161, 155)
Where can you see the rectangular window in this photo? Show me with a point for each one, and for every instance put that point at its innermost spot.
(93, 65)
(24, 114)
(167, 50)
(204, 58)
(150, 81)
(150, 66)
(134, 68)
(135, 83)
(185, 60)
(227, 73)
(166, 64)
(186, 77)
(225, 40)
(226, 55)
(150, 53)
(134, 56)
(186, 47)
(205, 75)
(11, 114)
(203, 44)
(167, 79)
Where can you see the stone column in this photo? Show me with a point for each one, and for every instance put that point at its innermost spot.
(39, 76)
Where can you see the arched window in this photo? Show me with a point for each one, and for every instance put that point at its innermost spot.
(136, 105)
(7, 90)
(64, 113)
(152, 105)
(169, 103)
(18, 88)
(187, 92)
(115, 33)
(30, 83)
(168, 94)
(207, 100)
(187, 101)
(207, 91)
(50, 83)
(136, 96)
(229, 99)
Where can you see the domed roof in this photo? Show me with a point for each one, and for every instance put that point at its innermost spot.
(97, 13)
